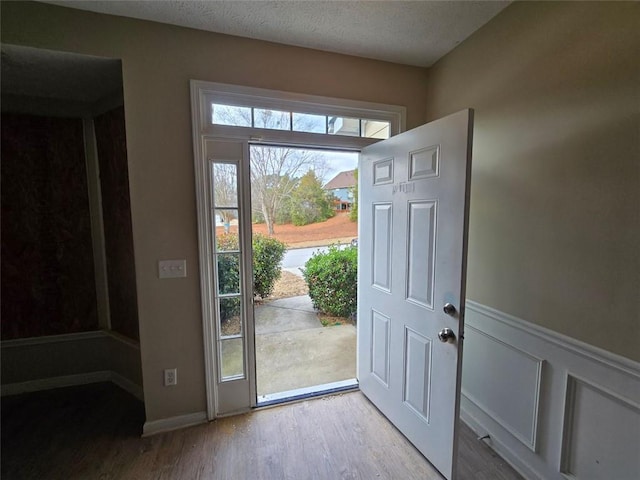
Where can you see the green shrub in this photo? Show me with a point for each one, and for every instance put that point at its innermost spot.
(267, 256)
(228, 275)
(332, 278)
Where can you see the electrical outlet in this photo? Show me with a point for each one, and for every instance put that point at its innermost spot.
(170, 377)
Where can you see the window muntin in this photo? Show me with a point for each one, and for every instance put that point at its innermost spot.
(271, 119)
(228, 262)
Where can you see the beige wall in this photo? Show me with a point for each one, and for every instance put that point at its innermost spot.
(555, 202)
(158, 61)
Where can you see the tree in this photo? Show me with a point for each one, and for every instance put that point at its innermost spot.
(225, 191)
(274, 170)
(274, 173)
(309, 201)
(353, 215)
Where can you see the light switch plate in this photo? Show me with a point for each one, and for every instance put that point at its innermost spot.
(172, 268)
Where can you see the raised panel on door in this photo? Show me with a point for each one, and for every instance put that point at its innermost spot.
(381, 235)
(421, 252)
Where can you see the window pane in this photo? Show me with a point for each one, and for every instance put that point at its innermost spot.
(228, 273)
(344, 126)
(375, 129)
(226, 229)
(229, 310)
(231, 115)
(273, 119)
(304, 122)
(232, 359)
(224, 178)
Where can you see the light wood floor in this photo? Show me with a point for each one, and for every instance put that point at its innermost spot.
(93, 432)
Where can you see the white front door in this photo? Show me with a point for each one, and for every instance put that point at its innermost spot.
(413, 212)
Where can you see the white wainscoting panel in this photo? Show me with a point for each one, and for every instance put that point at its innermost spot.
(601, 434)
(508, 389)
(552, 406)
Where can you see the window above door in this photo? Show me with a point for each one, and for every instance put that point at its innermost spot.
(272, 116)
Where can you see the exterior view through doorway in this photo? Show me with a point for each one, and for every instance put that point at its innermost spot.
(231, 124)
(303, 210)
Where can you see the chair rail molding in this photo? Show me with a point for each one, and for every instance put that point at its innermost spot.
(531, 389)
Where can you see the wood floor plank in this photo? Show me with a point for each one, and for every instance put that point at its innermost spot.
(93, 432)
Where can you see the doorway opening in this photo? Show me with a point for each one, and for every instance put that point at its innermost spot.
(303, 206)
(229, 122)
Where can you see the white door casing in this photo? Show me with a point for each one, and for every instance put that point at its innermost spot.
(227, 144)
(413, 221)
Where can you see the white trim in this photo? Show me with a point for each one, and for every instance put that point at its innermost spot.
(306, 392)
(55, 382)
(202, 95)
(94, 191)
(563, 359)
(204, 253)
(568, 437)
(530, 443)
(210, 92)
(570, 344)
(127, 385)
(66, 337)
(130, 342)
(72, 381)
(69, 337)
(173, 423)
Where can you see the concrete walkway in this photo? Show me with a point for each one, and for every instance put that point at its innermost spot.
(294, 350)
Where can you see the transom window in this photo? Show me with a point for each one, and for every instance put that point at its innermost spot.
(252, 117)
(286, 118)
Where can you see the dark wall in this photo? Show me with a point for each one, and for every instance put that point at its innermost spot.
(116, 212)
(48, 283)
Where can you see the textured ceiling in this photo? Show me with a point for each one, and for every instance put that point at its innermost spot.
(408, 32)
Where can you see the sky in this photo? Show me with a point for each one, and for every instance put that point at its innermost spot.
(339, 162)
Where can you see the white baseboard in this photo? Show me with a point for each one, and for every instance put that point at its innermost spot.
(66, 337)
(127, 385)
(57, 358)
(56, 382)
(173, 423)
(72, 381)
(536, 393)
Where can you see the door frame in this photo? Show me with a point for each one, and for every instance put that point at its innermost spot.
(203, 95)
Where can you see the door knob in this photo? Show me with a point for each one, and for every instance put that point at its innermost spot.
(449, 309)
(446, 335)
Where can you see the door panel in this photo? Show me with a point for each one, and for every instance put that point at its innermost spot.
(412, 236)
(382, 224)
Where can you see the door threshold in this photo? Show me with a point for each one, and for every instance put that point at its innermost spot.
(307, 392)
